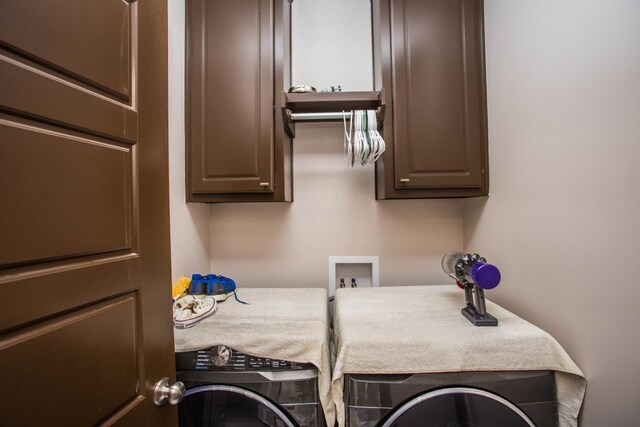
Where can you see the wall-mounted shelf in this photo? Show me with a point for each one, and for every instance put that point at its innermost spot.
(328, 106)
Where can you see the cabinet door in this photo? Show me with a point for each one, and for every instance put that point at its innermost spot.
(434, 63)
(231, 99)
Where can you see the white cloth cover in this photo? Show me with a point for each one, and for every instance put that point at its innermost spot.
(419, 329)
(288, 324)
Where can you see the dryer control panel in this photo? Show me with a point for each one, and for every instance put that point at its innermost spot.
(222, 358)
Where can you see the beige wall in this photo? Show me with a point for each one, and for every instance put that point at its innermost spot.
(334, 213)
(331, 44)
(189, 223)
(334, 210)
(563, 217)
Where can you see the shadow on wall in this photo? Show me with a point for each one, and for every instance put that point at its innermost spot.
(198, 215)
(248, 230)
(473, 209)
(418, 227)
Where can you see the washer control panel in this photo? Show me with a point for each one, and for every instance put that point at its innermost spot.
(222, 358)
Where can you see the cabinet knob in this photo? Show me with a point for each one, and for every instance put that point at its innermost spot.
(264, 184)
(404, 179)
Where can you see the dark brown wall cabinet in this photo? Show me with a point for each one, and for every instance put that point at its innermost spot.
(238, 58)
(429, 56)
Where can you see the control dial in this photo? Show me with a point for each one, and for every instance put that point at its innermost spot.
(220, 355)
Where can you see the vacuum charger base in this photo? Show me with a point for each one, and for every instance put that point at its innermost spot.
(478, 319)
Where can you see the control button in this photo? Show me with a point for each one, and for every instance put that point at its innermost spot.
(220, 355)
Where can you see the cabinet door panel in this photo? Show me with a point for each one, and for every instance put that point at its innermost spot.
(438, 129)
(231, 96)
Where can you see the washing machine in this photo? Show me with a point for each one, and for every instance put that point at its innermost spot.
(227, 388)
(454, 399)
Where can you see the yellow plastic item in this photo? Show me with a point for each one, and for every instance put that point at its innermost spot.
(180, 288)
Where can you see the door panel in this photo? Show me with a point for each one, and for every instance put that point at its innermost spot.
(58, 169)
(64, 285)
(133, 414)
(104, 372)
(67, 103)
(95, 45)
(84, 237)
(437, 94)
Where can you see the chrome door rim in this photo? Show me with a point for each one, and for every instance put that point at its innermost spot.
(244, 392)
(453, 390)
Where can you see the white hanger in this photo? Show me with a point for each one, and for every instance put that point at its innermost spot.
(348, 146)
(362, 142)
(375, 135)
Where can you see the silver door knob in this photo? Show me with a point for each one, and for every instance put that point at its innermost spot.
(163, 392)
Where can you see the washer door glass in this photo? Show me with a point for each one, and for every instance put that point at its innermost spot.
(458, 407)
(229, 406)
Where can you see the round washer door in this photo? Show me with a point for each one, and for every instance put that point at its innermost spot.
(458, 407)
(225, 406)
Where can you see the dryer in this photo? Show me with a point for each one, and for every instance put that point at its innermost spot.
(452, 399)
(227, 388)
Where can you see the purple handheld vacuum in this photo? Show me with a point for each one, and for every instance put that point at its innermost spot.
(473, 274)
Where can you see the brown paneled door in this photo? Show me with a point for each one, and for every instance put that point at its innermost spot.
(85, 313)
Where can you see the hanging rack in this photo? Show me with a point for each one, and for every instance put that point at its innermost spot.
(319, 117)
(328, 107)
